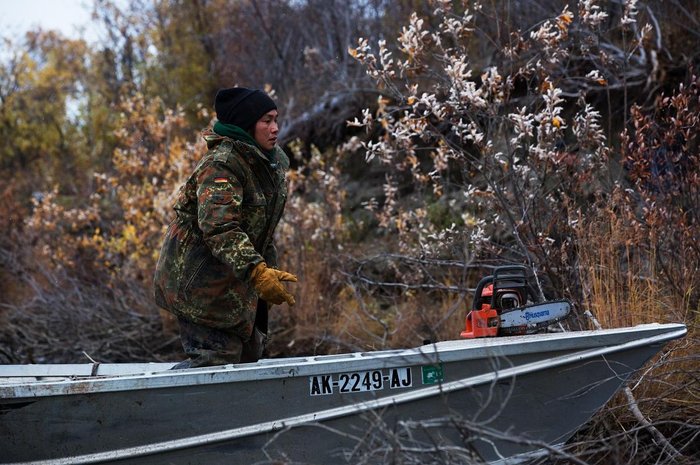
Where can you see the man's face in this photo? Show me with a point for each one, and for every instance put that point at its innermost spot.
(266, 129)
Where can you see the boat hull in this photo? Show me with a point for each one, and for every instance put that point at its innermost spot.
(494, 398)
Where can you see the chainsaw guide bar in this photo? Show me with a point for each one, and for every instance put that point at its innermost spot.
(530, 318)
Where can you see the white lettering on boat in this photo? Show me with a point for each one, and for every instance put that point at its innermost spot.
(360, 381)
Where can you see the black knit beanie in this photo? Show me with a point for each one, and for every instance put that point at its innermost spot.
(242, 107)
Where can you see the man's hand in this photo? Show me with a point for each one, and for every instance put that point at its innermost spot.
(268, 284)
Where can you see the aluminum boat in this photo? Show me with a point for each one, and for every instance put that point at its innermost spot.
(480, 400)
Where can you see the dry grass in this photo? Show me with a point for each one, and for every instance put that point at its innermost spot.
(624, 286)
(345, 304)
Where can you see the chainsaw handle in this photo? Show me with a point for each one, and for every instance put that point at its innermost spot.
(476, 302)
(501, 274)
(516, 274)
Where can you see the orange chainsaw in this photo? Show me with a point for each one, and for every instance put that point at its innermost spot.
(503, 306)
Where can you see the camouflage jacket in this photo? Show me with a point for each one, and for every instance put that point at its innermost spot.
(226, 214)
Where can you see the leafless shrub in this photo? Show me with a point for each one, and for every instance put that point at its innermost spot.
(67, 318)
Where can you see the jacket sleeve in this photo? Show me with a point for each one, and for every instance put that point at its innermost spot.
(220, 218)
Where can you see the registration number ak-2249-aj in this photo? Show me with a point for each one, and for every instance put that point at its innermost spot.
(360, 381)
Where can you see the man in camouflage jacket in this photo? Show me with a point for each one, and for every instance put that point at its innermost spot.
(216, 267)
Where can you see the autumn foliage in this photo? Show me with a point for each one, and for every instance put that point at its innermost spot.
(430, 141)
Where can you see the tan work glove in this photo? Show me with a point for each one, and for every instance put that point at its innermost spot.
(268, 284)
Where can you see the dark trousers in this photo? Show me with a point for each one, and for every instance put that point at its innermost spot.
(207, 346)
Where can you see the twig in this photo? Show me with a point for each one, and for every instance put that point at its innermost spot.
(88, 357)
(656, 434)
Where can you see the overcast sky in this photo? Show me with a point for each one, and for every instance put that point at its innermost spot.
(67, 16)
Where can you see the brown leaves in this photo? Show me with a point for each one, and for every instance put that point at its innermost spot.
(660, 156)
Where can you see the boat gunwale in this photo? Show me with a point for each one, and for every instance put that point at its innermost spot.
(439, 352)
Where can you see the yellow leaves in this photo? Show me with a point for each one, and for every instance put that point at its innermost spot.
(129, 233)
(269, 90)
(131, 203)
(293, 176)
(557, 122)
(469, 220)
(596, 77)
(564, 20)
(410, 51)
(382, 103)
(400, 224)
(546, 85)
(412, 161)
(566, 17)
